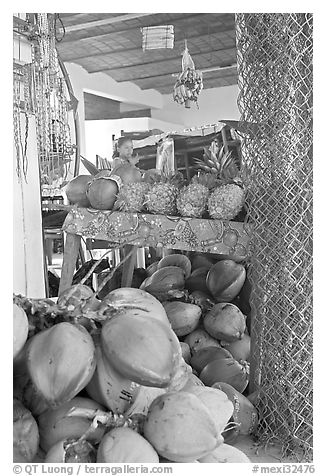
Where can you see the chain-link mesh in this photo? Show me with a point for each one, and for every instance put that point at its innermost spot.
(275, 101)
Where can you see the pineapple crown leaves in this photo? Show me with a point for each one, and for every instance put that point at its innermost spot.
(218, 162)
(173, 178)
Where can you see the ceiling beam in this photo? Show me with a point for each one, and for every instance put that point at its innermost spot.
(174, 21)
(167, 60)
(212, 31)
(217, 73)
(106, 21)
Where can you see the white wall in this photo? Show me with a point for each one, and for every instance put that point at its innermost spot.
(214, 104)
(28, 270)
(98, 134)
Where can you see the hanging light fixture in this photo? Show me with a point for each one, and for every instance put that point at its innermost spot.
(189, 83)
(157, 37)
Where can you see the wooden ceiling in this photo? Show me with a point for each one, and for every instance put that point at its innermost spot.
(111, 43)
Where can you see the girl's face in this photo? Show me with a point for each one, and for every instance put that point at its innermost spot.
(126, 150)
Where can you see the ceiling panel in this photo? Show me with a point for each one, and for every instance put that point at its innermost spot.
(113, 45)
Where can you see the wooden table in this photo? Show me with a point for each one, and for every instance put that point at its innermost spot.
(141, 229)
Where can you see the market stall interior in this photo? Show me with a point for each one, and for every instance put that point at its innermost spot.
(196, 239)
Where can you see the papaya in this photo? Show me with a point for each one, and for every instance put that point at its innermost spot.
(184, 317)
(199, 339)
(109, 387)
(225, 322)
(60, 362)
(180, 428)
(55, 426)
(239, 349)
(25, 434)
(225, 454)
(176, 259)
(197, 281)
(163, 280)
(123, 445)
(225, 280)
(226, 370)
(133, 298)
(76, 190)
(71, 451)
(20, 329)
(143, 350)
(203, 356)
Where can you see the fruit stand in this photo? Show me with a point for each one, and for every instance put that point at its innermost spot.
(215, 341)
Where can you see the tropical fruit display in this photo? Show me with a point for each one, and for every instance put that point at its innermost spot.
(225, 280)
(180, 427)
(102, 191)
(25, 434)
(162, 196)
(131, 197)
(154, 374)
(228, 196)
(76, 190)
(20, 329)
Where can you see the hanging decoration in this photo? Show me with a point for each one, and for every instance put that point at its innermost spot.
(53, 133)
(23, 104)
(157, 37)
(189, 83)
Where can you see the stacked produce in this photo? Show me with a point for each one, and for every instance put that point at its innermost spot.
(215, 192)
(156, 374)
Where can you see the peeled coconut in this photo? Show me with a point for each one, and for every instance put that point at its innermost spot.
(25, 434)
(185, 349)
(225, 454)
(180, 428)
(123, 445)
(54, 425)
(20, 329)
(217, 403)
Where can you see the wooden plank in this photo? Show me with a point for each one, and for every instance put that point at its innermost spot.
(167, 61)
(71, 250)
(129, 266)
(106, 21)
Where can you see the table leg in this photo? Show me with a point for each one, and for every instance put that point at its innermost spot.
(71, 249)
(128, 266)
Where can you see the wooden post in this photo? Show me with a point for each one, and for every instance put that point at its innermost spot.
(71, 250)
(186, 161)
(225, 141)
(128, 266)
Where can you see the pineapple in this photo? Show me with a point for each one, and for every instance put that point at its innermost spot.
(192, 201)
(228, 196)
(162, 196)
(131, 197)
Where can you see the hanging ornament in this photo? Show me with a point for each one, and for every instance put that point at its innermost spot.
(189, 83)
